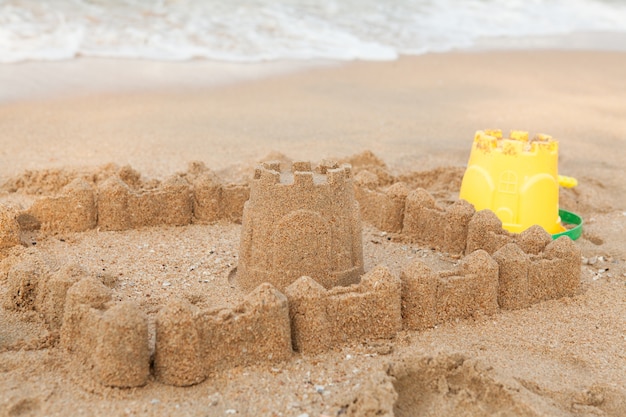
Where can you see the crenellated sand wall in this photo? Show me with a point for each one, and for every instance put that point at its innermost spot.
(110, 339)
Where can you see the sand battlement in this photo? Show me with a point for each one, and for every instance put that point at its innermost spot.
(527, 278)
(302, 175)
(119, 201)
(300, 223)
(192, 343)
(321, 318)
(107, 340)
(456, 228)
(432, 297)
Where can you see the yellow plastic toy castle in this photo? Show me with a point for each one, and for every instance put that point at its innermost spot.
(515, 178)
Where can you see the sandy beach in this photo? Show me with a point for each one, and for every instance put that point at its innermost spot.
(563, 357)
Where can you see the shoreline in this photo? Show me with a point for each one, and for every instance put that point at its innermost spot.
(83, 76)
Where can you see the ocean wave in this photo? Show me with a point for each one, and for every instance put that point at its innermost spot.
(262, 30)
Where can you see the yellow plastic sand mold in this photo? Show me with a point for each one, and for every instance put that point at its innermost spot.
(516, 178)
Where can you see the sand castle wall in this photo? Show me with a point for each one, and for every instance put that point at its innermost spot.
(383, 209)
(441, 228)
(176, 202)
(9, 228)
(430, 298)
(527, 278)
(107, 340)
(485, 232)
(121, 208)
(510, 279)
(455, 228)
(414, 215)
(300, 223)
(74, 210)
(120, 201)
(321, 318)
(191, 343)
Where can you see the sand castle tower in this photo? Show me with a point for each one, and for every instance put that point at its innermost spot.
(300, 223)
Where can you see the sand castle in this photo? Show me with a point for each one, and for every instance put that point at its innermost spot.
(314, 305)
(300, 223)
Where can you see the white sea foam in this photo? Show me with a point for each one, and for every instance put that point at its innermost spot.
(261, 30)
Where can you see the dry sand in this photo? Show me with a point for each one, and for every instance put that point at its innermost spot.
(560, 357)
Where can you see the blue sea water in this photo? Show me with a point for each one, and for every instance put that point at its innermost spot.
(262, 30)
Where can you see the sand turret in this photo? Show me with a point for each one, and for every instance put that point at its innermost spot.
(301, 223)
